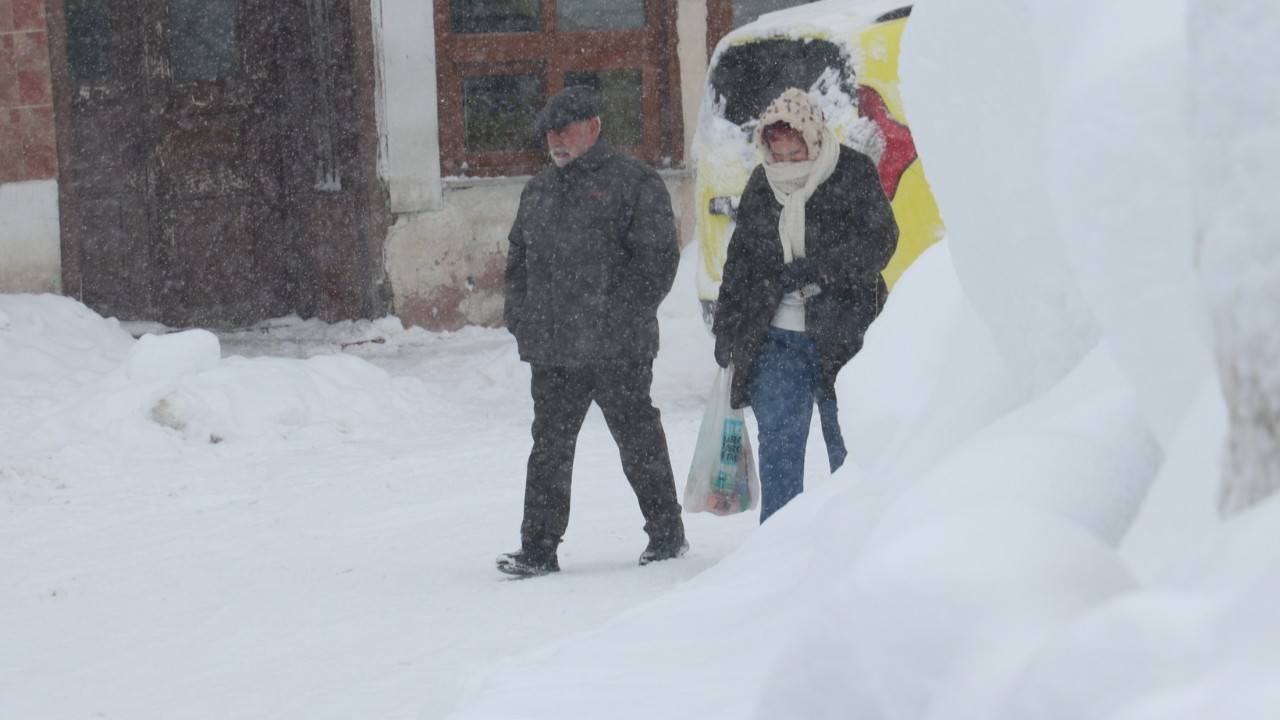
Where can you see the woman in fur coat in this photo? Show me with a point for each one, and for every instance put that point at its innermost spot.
(801, 284)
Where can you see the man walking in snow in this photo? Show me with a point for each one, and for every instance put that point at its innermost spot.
(593, 251)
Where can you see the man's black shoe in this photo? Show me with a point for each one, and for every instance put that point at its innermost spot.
(664, 550)
(526, 565)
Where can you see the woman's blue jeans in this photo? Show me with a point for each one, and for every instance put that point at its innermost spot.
(785, 380)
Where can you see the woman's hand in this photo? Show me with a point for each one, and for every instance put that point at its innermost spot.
(724, 349)
(798, 273)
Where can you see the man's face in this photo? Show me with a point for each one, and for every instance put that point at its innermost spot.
(571, 141)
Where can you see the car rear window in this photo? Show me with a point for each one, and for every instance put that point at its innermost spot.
(750, 75)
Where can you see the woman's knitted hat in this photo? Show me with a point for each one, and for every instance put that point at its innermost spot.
(799, 110)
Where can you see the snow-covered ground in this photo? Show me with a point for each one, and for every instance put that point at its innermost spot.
(300, 521)
(270, 525)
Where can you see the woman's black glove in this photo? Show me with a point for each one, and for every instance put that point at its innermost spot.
(797, 274)
(724, 349)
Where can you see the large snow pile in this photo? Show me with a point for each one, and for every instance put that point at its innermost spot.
(83, 376)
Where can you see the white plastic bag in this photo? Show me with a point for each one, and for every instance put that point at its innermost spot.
(722, 479)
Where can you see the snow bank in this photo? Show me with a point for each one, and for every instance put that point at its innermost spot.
(928, 375)
(938, 619)
(1236, 65)
(1117, 162)
(53, 340)
(82, 380)
(1200, 647)
(979, 113)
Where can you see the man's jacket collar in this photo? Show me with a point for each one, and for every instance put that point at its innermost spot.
(592, 159)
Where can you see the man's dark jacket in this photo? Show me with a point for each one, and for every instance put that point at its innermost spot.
(850, 233)
(592, 253)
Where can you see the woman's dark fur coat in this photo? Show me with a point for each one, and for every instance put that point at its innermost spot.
(850, 234)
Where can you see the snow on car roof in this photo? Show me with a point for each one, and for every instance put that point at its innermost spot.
(826, 18)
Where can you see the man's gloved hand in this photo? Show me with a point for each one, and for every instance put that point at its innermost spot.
(798, 273)
(724, 349)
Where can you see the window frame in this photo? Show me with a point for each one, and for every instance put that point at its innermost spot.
(651, 50)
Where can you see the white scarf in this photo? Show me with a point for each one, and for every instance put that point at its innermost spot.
(793, 184)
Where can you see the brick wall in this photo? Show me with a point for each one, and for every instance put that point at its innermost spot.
(26, 105)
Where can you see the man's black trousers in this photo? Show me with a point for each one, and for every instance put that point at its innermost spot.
(561, 398)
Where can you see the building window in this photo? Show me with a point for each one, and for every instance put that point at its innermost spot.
(620, 108)
(203, 37)
(497, 112)
(474, 17)
(599, 14)
(88, 41)
(499, 60)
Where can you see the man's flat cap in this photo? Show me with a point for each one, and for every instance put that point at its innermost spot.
(574, 103)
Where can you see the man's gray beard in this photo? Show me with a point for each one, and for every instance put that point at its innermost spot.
(561, 159)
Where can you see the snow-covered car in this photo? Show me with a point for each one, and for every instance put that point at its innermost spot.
(845, 53)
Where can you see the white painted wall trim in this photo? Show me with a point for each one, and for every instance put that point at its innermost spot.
(408, 118)
(30, 239)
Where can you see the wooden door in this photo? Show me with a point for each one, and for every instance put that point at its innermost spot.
(102, 157)
(202, 140)
(219, 249)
